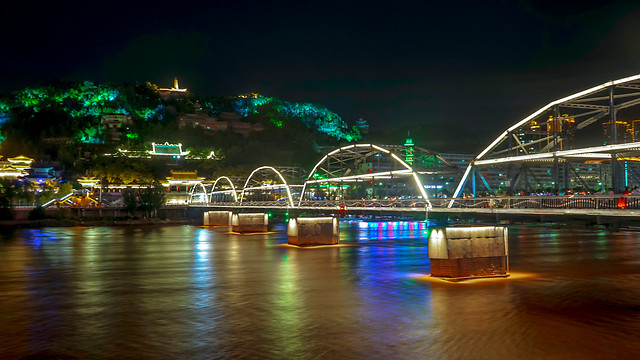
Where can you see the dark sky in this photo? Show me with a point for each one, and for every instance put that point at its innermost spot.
(483, 63)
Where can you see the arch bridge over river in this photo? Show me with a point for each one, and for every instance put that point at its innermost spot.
(554, 141)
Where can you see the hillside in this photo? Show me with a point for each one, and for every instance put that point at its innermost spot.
(66, 121)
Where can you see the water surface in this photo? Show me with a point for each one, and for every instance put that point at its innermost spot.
(200, 293)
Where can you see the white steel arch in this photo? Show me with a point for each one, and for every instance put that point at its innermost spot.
(193, 189)
(589, 106)
(284, 182)
(407, 169)
(233, 188)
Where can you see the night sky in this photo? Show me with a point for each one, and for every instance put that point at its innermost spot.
(484, 64)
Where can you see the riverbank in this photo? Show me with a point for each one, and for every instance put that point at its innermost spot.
(68, 222)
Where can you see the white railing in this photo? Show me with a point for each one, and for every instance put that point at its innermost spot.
(550, 202)
(515, 202)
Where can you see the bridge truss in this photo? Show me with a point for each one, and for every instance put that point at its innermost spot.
(362, 171)
(359, 172)
(587, 140)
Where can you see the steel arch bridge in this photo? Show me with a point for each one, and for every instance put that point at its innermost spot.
(359, 174)
(560, 136)
(362, 171)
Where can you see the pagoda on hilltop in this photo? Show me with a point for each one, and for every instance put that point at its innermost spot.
(172, 92)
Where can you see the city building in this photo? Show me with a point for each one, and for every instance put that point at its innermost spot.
(624, 132)
(536, 136)
(235, 123)
(115, 124)
(199, 120)
(222, 122)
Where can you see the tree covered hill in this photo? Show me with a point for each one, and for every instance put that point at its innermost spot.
(63, 120)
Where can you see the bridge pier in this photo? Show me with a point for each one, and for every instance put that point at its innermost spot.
(469, 252)
(310, 231)
(250, 222)
(216, 218)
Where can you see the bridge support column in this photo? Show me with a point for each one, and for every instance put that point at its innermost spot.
(216, 218)
(469, 252)
(309, 231)
(250, 222)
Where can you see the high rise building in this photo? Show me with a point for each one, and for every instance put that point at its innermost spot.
(624, 133)
(528, 137)
(531, 137)
(635, 128)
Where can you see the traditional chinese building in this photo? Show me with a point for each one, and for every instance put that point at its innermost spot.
(180, 185)
(166, 149)
(15, 167)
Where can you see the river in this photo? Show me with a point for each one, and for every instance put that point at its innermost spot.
(188, 292)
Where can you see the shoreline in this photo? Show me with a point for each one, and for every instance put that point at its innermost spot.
(70, 222)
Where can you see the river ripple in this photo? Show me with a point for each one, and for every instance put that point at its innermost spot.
(186, 292)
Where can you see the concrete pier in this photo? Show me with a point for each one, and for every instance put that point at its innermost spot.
(250, 222)
(310, 231)
(217, 218)
(467, 252)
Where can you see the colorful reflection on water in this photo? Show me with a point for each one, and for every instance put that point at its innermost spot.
(383, 230)
(195, 292)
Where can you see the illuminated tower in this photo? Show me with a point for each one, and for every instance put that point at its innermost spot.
(175, 83)
(408, 151)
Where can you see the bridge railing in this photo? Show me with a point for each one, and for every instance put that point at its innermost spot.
(282, 203)
(367, 203)
(549, 202)
(517, 202)
(362, 203)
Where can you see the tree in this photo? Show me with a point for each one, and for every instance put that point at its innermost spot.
(37, 213)
(6, 203)
(130, 199)
(152, 199)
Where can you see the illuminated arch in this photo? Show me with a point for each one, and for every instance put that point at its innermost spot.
(193, 189)
(358, 150)
(557, 123)
(284, 182)
(233, 188)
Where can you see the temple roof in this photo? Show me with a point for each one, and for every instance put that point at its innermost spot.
(185, 176)
(20, 158)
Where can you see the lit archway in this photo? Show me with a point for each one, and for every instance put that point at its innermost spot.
(215, 183)
(192, 193)
(360, 163)
(265, 187)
